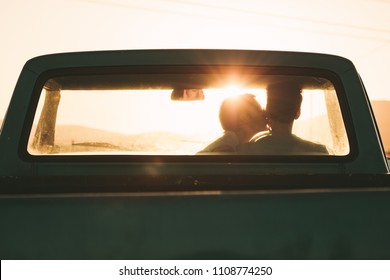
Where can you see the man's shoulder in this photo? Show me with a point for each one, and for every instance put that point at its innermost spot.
(268, 144)
(226, 143)
(309, 146)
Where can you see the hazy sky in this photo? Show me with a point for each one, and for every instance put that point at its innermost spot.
(356, 29)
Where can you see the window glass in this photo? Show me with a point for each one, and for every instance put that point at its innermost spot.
(181, 114)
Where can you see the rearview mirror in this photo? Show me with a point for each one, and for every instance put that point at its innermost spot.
(180, 94)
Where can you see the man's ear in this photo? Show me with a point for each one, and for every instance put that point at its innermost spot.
(298, 114)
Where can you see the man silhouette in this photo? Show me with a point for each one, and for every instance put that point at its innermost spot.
(283, 108)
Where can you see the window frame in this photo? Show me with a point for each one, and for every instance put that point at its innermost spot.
(156, 69)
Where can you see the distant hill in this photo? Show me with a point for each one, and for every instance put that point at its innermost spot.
(73, 138)
(382, 114)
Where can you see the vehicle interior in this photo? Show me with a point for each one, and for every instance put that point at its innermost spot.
(171, 111)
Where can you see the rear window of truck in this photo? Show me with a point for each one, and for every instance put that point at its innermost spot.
(189, 111)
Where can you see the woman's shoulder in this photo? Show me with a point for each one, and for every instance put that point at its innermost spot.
(226, 143)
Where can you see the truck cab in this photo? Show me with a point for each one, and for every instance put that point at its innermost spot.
(103, 156)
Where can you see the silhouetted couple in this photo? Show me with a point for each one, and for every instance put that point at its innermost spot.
(248, 129)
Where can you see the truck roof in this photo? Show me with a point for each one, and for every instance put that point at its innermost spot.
(189, 57)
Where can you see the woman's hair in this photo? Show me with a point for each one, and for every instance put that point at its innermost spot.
(239, 110)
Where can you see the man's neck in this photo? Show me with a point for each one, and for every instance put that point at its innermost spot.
(281, 128)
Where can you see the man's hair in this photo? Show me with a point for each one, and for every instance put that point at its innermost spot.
(235, 111)
(283, 101)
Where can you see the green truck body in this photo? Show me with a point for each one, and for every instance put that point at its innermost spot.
(191, 207)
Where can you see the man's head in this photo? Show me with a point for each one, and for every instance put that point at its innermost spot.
(237, 113)
(284, 102)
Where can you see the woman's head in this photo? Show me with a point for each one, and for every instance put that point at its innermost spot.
(242, 114)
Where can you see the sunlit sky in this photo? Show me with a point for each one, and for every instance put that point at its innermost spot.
(356, 29)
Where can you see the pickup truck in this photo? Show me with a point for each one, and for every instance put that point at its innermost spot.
(99, 159)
